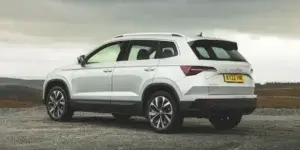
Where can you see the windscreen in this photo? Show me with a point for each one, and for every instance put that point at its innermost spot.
(216, 50)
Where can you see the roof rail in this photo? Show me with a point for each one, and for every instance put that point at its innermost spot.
(158, 33)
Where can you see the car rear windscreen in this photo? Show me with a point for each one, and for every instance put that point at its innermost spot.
(216, 50)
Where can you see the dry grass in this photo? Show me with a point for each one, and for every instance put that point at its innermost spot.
(278, 92)
(288, 97)
(16, 104)
(273, 102)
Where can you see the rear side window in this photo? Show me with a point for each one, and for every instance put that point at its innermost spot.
(202, 51)
(141, 50)
(220, 52)
(168, 49)
(216, 50)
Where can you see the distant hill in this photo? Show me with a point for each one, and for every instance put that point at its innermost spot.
(20, 93)
(36, 84)
(21, 90)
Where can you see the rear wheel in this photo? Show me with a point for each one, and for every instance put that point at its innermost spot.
(162, 112)
(57, 104)
(121, 116)
(225, 121)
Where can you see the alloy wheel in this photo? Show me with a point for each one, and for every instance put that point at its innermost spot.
(160, 112)
(56, 104)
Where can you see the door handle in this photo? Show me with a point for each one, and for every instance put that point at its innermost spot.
(149, 69)
(107, 70)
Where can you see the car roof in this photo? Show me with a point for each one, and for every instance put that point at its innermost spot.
(161, 36)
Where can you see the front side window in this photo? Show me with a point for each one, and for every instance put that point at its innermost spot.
(142, 50)
(107, 54)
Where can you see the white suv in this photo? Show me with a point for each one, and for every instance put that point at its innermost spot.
(161, 76)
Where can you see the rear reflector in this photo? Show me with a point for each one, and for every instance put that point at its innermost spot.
(193, 70)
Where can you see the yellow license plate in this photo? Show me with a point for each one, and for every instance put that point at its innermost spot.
(234, 78)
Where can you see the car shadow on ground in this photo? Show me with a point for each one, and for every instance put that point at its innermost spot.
(143, 125)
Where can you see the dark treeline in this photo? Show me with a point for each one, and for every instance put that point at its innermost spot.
(278, 85)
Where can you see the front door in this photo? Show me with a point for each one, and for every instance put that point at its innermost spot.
(92, 82)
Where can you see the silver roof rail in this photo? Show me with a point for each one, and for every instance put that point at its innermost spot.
(158, 33)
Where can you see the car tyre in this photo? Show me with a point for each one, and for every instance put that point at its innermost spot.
(58, 104)
(163, 112)
(225, 121)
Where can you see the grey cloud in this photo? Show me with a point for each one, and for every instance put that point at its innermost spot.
(82, 17)
(94, 10)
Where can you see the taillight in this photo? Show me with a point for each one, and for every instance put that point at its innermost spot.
(193, 70)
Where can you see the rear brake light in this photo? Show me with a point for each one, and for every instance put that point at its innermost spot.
(193, 70)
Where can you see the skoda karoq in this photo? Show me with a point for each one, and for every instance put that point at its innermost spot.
(164, 77)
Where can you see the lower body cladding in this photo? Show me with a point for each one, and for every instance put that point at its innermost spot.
(133, 108)
(204, 108)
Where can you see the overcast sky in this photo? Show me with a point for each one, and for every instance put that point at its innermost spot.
(97, 17)
(54, 32)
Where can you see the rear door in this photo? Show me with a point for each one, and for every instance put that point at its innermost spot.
(138, 66)
(232, 75)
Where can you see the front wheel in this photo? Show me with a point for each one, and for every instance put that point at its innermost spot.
(225, 121)
(57, 104)
(162, 112)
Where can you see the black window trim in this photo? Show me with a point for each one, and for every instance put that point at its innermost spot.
(149, 39)
(123, 55)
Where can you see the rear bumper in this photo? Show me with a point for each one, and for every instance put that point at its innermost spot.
(207, 107)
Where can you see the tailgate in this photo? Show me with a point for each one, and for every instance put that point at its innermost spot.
(232, 75)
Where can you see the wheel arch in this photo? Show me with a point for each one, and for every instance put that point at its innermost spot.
(151, 88)
(55, 82)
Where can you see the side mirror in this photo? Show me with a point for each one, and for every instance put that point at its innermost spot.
(81, 60)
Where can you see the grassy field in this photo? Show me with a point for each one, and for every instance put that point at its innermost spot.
(278, 97)
(262, 102)
(278, 102)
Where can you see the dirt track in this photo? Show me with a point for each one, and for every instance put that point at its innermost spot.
(31, 129)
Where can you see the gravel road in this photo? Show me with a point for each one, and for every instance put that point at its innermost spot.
(31, 129)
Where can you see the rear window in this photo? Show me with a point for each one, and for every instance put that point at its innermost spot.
(216, 50)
